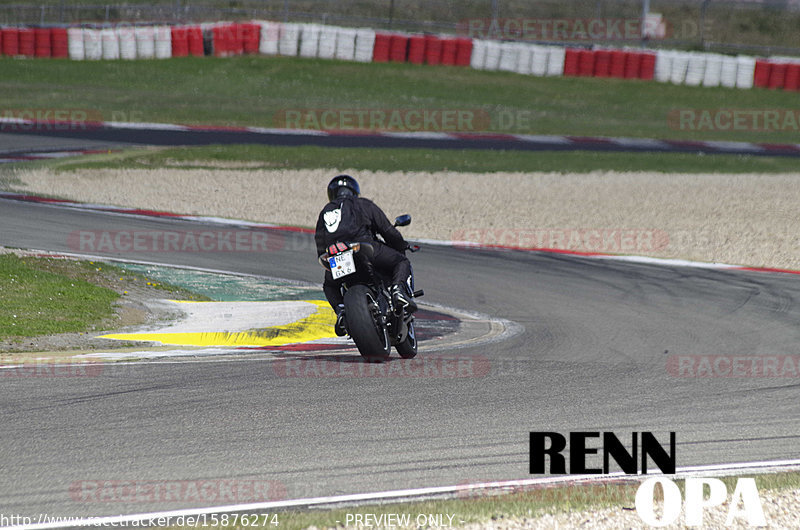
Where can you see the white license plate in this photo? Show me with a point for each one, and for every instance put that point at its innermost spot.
(342, 264)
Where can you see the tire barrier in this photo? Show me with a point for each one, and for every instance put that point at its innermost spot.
(75, 40)
(365, 42)
(493, 51)
(127, 42)
(289, 39)
(398, 48)
(163, 42)
(224, 39)
(110, 44)
(432, 49)
(346, 44)
(524, 59)
(777, 73)
(727, 74)
(145, 42)
(448, 52)
(93, 44)
(509, 55)
(621, 64)
(380, 53)
(309, 40)
(60, 43)
(42, 43)
(10, 41)
(27, 42)
(270, 35)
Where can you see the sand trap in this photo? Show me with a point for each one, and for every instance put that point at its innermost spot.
(746, 219)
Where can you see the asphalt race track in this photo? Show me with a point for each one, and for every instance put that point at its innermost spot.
(592, 357)
(110, 135)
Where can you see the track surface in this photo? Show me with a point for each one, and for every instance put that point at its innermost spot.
(165, 134)
(592, 357)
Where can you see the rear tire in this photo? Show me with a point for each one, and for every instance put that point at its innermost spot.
(408, 348)
(370, 336)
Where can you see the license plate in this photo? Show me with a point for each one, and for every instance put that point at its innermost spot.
(342, 264)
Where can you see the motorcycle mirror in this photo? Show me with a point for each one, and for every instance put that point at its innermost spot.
(402, 220)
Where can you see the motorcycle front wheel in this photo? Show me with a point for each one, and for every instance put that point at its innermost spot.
(364, 323)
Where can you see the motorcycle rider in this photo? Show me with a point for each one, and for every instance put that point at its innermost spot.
(350, 218)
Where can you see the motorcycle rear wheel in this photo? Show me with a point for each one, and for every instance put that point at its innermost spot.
(364, 325)
(408, 348)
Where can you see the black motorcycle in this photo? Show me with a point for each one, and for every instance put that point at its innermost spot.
(371, 318)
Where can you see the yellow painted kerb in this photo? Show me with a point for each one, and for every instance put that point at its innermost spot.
(318, 325)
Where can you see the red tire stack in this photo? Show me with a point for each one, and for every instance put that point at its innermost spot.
(761, 74)
(236, 38)
(10, 41)
(585, 63)
(602, 63)
(792, 79)
(180, 41)
(59, 43)
(648, 69)
(416, 49)
(27, 42)
(633, 65)
(225, 43)
(194, 39)
(464, 52)
(449, 49)
(398, 48)
(380, 51)
(617, 65)
(433, 50)
(42, 44)
(250, 37)
(571, 57)
(777, 76)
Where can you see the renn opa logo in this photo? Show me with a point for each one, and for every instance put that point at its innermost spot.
(612, 448)
(544, 445)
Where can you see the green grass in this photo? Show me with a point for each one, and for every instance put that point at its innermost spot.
(36, 301)
(269, 157)
(253, 90)
(478, 507)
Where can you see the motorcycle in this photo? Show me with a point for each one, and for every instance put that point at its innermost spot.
(371, 317)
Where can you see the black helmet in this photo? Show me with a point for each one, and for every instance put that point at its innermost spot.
(342, 181)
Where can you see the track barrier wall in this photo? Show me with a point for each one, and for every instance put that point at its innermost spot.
(225, 39)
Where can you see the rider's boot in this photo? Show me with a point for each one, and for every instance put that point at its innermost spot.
(341, 324)
(402, 298)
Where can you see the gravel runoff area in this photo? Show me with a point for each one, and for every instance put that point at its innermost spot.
(741, 219)
(781, 510)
